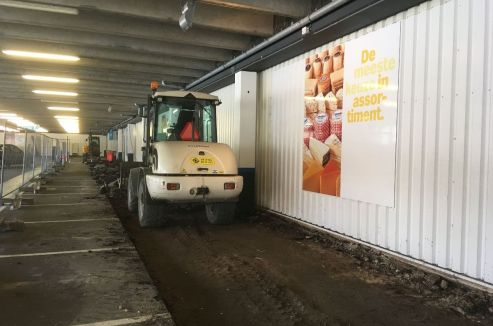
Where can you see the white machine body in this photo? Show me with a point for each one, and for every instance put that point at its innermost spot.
(205, 172)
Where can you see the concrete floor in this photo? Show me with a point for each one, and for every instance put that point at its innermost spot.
(73, 264)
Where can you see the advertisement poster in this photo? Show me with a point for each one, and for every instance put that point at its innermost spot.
(350, 118)
(323, 130)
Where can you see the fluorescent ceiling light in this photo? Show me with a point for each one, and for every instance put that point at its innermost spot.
(40, 55)
(70, 117)
(58, 102)
(60, 93)
(8, 129)
(51, 79)
(7, 115)
(39, 7)
(26, 124)
(69, 123)
(62, 108)
(20, 122)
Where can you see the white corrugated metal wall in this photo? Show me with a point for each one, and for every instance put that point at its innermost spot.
(120, 140)
(444, 182)
(130, 141)
(112, 143)
(225, 116)
(139, 140)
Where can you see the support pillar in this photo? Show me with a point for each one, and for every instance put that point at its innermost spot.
(245, 123)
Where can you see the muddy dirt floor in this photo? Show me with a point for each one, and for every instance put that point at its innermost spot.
(266, 271)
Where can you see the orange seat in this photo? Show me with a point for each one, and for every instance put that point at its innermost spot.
(186, 132)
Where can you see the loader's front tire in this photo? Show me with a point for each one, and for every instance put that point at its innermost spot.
(220, 213)
(149, 212)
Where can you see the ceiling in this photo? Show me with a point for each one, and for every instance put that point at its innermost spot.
(123, 45)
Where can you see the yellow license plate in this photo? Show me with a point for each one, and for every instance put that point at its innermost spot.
(202, 160)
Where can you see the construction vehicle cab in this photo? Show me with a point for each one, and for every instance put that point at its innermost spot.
(183, 163)
(92, 149)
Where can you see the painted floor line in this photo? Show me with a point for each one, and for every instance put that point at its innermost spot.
(69, 179)
(68, 252)
(128, 321)
(70, 188)
(58, 182)
(46, 205)
(57, 186)
(68, 193)
(79, 220)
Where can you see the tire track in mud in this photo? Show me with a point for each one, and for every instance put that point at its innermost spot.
(262, 290)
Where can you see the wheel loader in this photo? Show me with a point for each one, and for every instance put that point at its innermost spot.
(184, 164)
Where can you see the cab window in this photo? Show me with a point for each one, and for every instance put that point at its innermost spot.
(185, 119)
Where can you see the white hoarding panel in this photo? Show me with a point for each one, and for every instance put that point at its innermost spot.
(226, 114)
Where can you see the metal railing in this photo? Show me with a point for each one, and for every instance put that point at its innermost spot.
(26, 155)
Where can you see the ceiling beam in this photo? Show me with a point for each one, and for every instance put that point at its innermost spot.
(94, 87)
(129, 88)
(286, 8)
(126, 71)
(90, 118)
(30, 104)
(195, 66)
(129, 27)
(122, 95)
(12, 101)
(226, 19)
(56, 35)
(88, 76)
(107, 99)
(47, 118)
(90, 115)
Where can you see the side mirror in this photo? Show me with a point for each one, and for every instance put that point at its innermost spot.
(218, 102)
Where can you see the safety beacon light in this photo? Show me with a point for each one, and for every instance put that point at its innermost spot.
(154, 85)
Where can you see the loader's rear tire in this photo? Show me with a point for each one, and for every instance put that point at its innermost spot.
(220, 213)
(132, 199)
(149, 212)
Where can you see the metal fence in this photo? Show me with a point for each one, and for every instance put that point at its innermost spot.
(25, 155)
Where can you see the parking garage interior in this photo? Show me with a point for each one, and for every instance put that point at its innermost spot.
(246, 162)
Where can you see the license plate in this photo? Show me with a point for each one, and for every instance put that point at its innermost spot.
(202, 191)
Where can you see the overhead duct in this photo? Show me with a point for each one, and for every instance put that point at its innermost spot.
(336, 19)
(170, 85)
(186, 17)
